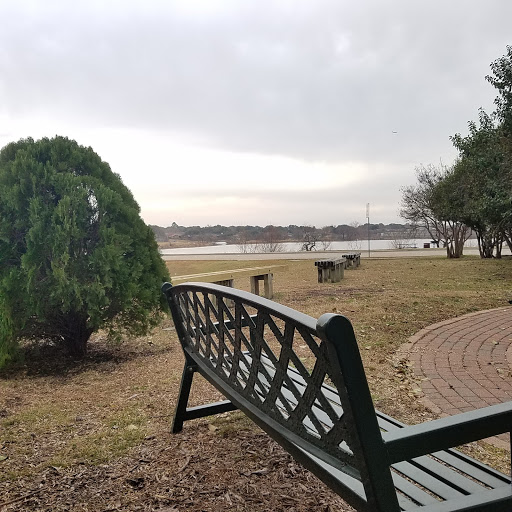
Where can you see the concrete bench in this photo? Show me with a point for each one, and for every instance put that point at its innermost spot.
(302, 381)
(353, 259)
(227, 277)
(330, 269)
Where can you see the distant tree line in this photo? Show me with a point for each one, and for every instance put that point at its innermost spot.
(474, 195)
(269, 237)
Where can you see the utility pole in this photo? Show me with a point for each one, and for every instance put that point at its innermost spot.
(368, 221)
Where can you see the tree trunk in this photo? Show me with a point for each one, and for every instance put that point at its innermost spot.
(489, 244)
(455, 241)
(77, 335)
(77, 347)
(485, 245)
(508, 240)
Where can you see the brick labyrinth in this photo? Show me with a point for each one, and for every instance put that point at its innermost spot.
(464, 363)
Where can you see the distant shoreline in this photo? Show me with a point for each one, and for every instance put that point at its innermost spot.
(313, 255)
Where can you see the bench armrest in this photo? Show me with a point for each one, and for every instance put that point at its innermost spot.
(431, 436)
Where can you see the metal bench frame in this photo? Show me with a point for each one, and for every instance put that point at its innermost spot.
(321, 410)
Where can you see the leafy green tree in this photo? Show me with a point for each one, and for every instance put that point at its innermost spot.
(75, 255)
(481, 184)
(477, 191)
(501, 80)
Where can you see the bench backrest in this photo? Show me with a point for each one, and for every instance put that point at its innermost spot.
(272, 361)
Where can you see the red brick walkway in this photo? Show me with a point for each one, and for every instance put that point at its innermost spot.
(465, 363)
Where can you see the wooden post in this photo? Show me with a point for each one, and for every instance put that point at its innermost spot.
(268, 280)
(231, 284)
(268, 284)
(255, 285)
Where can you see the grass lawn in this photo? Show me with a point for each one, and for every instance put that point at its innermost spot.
(94, 434)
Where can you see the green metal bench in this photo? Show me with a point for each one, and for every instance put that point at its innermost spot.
(303, 382)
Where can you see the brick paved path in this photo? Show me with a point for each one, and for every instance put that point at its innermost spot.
(464, 363)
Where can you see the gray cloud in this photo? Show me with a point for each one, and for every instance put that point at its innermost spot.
(316, 79)
(320, 81)
(334, 205)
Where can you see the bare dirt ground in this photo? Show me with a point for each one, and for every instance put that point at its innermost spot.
(95, 435)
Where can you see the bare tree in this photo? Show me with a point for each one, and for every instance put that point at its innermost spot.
(419, 207)
(355, 245)
(325, 245)
(406, 239)
(242, 241)
(270, 240)
(310, 237)
(326, 238)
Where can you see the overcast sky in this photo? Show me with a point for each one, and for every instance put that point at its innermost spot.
(253, 112)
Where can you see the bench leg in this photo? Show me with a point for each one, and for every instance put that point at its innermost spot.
(268, 282)
(324, 274)
(255, 285)
(183, 413)
(341, 271)
(333, 274)
(181, 406)
(268, 286)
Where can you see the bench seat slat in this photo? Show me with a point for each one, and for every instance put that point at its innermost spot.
(409, 489)
(484, 474)
(475, 469)
(426, 480)
(412, 494)
(423, 468)
(496, 500)
(447, 474)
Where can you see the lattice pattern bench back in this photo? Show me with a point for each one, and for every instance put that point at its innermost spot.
(273, 358)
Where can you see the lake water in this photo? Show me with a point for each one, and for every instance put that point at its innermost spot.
(355, 245)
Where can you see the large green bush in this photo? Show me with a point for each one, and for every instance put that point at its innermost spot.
(75, 255)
